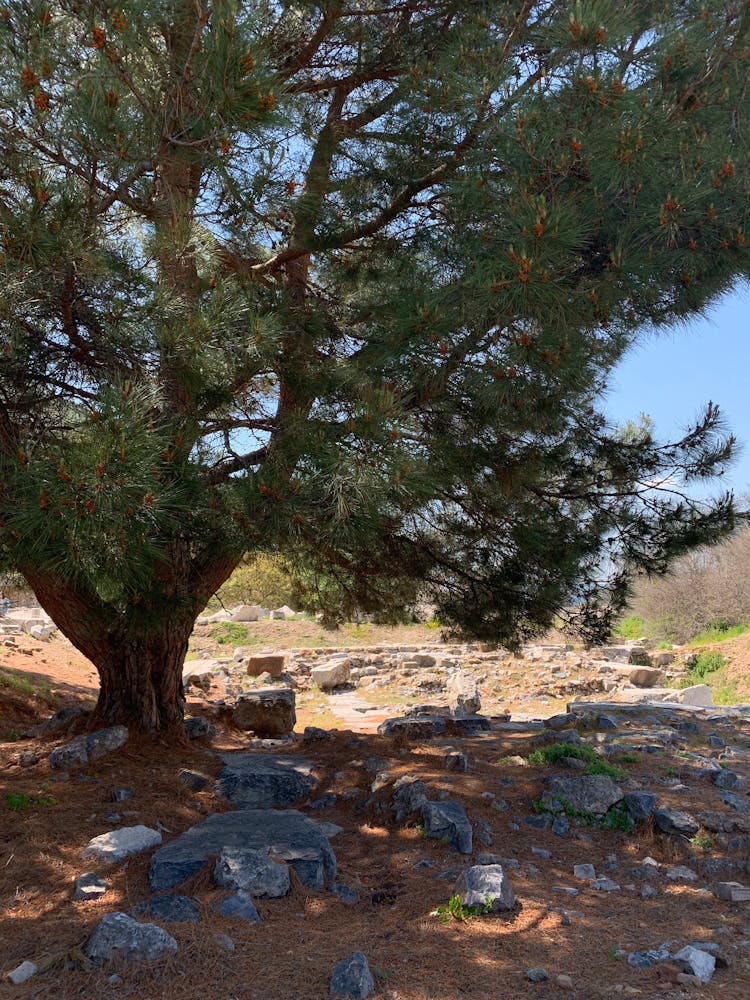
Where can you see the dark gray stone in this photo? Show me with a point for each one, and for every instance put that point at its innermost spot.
(540, 822)
(724, 778)
(485, 886)
(324, 801)
(537, 975)
(606, 722)
(90, 746)
(640, 805)
(89, 886)
(313, 734)
(561, 826)
(287, 834)
(238, 905)
(456, 761)
(645, 959)
(467, 725)
(589, 793)
(409, 794)
(194, 780)
(448, 821)
(352, 977)
(739, 802)
(119, 936)
(171, 909)
(266, 711)
(346, 893)
(415, 727)
(122, 794)
(674, 821)
(252, 871)
(57, 723)
(483, 832)
(198, 727)
(262, 781)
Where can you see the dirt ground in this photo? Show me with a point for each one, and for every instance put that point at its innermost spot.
(290, 954)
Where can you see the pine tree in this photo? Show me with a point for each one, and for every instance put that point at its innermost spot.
(345, 282)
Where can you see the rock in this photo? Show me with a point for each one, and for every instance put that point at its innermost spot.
(266, 711)
(90, 746)
(331, 674)
(564, 982)
(448, 821)
(313, 734)
(352, 977)
(732, 892)
(485, 886)
(724, 778)
(224, 942)
(267, 663)
(463, 693)
(251, 870)
(119, 936)
(287, 834)
(118, 844)
(171, 909)
(194, 780)
(467, 725)
(408, 796)
(584, 871)
(28, 758)
(674, 821)
(606, 723)
(262, 781)
(89, 886)
(589, 793)
(697, 694)
(696, 962)
(246, 613)
(22, 973)
(537, 975)
(604, 884)
(640, 805)
(681, 873)
(199, 673)
(238, 905)
(61, 720)
(122, 794)
(324, 801)
(346, 893)
(455, 761)
(645, 959)
(413, 727)
(198, 727)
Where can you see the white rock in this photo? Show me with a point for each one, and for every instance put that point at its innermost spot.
(119, 844)
(698, 963)
(24, 971)
(463, 693)
(245, 613)
(331, 674)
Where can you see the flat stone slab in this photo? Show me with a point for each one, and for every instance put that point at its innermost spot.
(262, 781)
(89, 746)
(287, 834)
(119, 844)
(589, 793)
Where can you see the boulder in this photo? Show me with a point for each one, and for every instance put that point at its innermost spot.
(198, 727)
(287, 834)
(199, 673)
(640, 805)
(587, 793)
(89, 746)
(61, 720)
(698, 695)
(485, 886)
(448, 821)
(245, 613)
(413, 727)
(252, 871)
(266, 711)
(118, 844)
(695, 961)
(266, 663)
(170, 909)
(639, 676)
(262, 781)
(119, 936)
(463, 693)
(674, 821)
(352, 977)
(331, 674)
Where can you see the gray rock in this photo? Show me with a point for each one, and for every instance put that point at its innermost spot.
(238, 905)
(463, 693)
(287, 834)
(485, 885)
(352, 977)
(448, 821)
(198, 727)
(171, 909)
(734, 801)
(584, 871)
(119, 936)
(261, 781)
(28, 758)
(674, 821)
(645, 959)
(589, 793)
(537, 975)
(604, 884)
(89, 886)
(456, 761)
(346, 893)
(695, 962)
(89, 746)
(313, 734)
(648, 892)
(606, 722)
(324, 801)
(640, 805)
(122, 794)
(251, 870)
(413, 727)
(22, 973)
(61, 720)
(119, 844)
(727, 779)
(560, 826)
(194, 780)
(266, 711)
(467, 725)
(331, 674)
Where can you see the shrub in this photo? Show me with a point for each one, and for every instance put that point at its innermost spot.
(555, 752)
(454, 909)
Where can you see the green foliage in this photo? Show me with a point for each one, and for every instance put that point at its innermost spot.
(454, 909)
(562, 805)
(617, 818)
(702, 842)
(17, 801)
(629, 758)
(718, 632)
(230, 633)
(705, 664)
(22, 685)
(555, 752)
(630, 627)
(259, 579)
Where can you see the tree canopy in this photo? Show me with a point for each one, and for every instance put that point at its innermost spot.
(346, 281)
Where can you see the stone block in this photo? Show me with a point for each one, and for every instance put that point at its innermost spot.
(266, 711)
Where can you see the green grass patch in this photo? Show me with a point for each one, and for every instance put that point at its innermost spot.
(454, 909)
(718, 632)
(632, 627)
(230, 634)
(705, 664)
(702, 842)
(17, 801)
(617, 818)
(22, 685)
(555, 752)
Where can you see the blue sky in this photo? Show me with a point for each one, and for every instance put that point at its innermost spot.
(673, 374)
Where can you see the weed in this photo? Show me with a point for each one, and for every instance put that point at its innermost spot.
(616, 954)
(670, 772)
(555, 752)
(454, 909)
(16, 801)
(632, 627)
(629, 758)
(718, 631)
(230, 633)
(705, 664)
(380, 973)
(617, 818)
(702, 842)
(433, 623)
(604, 767)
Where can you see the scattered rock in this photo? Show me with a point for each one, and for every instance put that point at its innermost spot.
(696, 962)
(90, 746)
(89, 886)
(119, 844)
(194, 780)
(272, 663)
(584, 871)
(266, 711)
(413, 727)
(674, 821)
(346, 893)
(238, 905)
(640, 805)
(22, 973)
(332, 674)
(251, 870)
(198, 727)
(463, 693)
(262, 781)
(119, 936)
(171, 909)
(352, 977)
(485, 886)
(537, 975)
(448, 821)
(589, 793)
(122, 794)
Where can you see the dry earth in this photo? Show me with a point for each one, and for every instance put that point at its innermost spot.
(415, 956)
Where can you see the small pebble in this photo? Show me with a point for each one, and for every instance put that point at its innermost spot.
(537, 975)
(564, 982)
